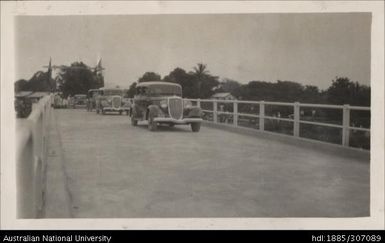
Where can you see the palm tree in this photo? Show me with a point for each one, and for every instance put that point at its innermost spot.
(199, 72)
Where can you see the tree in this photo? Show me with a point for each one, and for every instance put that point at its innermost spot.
(131, 90)
(40, 81)
(343, 91)
(180, 76)
(78, 80)
(200, 70)
(287, 91)
(256, 90)
(149, 76)
(21, 85)
(311, 94)
(199, 73)
(228, 85)
(195, 84)
(204, 82)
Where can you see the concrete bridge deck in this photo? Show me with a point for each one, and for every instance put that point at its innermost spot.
(102, 167)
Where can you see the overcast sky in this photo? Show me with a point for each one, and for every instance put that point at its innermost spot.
(306, 48)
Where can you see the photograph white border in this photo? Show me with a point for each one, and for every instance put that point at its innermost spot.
(8, 181)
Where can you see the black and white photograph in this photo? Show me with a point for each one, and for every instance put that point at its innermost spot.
(116, 113)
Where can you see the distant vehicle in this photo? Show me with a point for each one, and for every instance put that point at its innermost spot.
(162, 103)
(127, 101)
(91, 98)
(111, 100)
(79, 101)
(59, 101)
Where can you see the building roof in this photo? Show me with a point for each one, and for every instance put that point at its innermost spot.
(221, 95)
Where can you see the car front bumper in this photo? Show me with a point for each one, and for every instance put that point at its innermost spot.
(177, 121)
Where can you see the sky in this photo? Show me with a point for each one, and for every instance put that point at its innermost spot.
(309, 48)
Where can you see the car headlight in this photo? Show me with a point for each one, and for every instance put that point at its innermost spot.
(104, 102)
(163, 104)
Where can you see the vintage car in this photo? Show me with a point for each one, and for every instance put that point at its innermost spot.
(111, 100)
(79, 101)
(161, 103)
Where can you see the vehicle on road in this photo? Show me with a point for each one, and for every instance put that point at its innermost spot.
(111, 100)
(161, 103)
(79, 101)
(59, 102)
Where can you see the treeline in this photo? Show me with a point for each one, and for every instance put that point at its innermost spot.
(199, 83)
(40, 81)
(77, 78)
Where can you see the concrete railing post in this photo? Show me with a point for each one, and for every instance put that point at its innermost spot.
(345, 125)
(199, 103)
(262, 116)
(296, 119)
(215, 110)
(235, 113)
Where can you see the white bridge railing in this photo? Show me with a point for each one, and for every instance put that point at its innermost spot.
(259, 115)
(31, 156)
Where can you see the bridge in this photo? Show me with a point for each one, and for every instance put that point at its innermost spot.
(78, 164)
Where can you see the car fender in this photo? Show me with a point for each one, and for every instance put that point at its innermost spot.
(195, 112)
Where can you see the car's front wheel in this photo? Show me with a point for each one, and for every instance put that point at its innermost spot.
(196, 126)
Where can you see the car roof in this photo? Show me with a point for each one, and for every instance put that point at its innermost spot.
(146, 84)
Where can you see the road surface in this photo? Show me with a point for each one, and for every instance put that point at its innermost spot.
(111, 169)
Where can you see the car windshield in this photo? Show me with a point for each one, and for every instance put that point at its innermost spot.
(109, 92)
(160, 90)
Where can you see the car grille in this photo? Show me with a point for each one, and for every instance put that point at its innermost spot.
(116, 102)
(175, 107)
